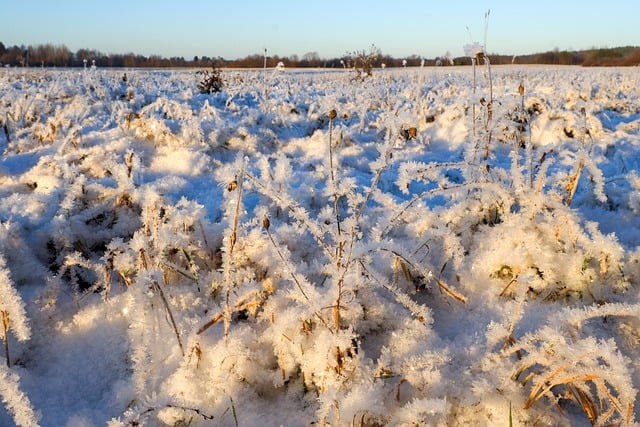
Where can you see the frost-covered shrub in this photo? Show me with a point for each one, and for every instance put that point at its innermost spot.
(211, 80)
(362, 62)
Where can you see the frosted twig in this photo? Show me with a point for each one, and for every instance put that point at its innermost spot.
(427, 274)
(332, 115)
(172, 321)
(236, 185)
(5, 336)
(437, 191)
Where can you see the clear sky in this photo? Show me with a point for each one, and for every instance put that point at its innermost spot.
(237, 28)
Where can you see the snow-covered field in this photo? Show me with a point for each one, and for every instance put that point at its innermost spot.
(304, 249)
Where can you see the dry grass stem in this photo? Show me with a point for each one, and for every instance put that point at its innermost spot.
(5, 330)
(172, 321)
(572, 186)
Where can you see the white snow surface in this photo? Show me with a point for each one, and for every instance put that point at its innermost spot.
(454, 246)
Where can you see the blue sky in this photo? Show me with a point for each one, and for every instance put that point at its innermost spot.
(237, 28)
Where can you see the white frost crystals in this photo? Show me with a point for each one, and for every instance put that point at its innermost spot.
(15, 400)
(12, 305)
(473, 50)
(286, 252)
(13, 318)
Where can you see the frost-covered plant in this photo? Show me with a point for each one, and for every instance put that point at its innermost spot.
(211, 81)
(12, 310)
(362, 62)
(15, 400)
(14, 319)
(557, 365)
(333, 300)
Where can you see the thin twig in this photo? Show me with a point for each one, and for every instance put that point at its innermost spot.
(234, 186)
(332, 115)
(434, 192)
(156, 285)
(441, 284)
(291, 273)
(233, 410)
(5, 329)
(573, 182)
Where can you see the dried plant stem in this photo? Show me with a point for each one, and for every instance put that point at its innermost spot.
(291, 273)
(529, 144)
(538, 392)
(157, 287)
(332, 115)
(573, 182)
(210, 323)
(402, 298)
(427, 274)
(5, 330)
(295, 278)
(233, 411)
(182, 408)
(488, 110)
(5, 127)
(551, 380)
(228, 265)
(473, 106)
(436, 191)
(345, 268)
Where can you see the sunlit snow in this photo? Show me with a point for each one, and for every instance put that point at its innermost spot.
(305, 248)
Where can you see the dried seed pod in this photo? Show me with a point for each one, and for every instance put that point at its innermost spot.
(266, 223)
(232, 185)
(332, 114)
(521, 89)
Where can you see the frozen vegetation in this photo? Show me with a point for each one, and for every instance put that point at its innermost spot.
(427, 246)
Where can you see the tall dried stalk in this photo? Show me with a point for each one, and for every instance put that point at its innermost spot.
(157, 287)
(332, 116)
(5, 330)
(266, 224)
(339, 250)
(572, 186)
(236, 186)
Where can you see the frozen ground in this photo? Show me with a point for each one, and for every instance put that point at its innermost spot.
(437, 252)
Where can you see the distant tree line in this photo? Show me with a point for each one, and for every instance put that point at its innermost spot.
(49, 55)
(618, 56)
